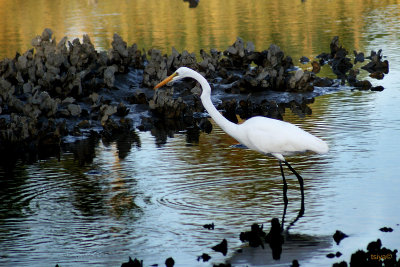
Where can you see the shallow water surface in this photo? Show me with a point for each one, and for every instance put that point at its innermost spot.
(149, 197)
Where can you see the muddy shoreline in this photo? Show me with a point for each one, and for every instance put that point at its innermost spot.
(58, 92)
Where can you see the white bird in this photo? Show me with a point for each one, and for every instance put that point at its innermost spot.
(265, 135)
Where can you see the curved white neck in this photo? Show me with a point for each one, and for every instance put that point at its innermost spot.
(226, 125)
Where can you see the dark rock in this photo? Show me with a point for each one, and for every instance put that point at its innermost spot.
(302, 81)
(122, 110)
(304, 60)
(295, 263)
(316, 67)
(109, 77)
(209, 226)
(106, 111)
(205, 125)
(84, 124)
(239, 55)
(192, 3)
(95, 99)
(324, 58)
(275, 56)
(138, 97)
(377, 75)
(156, 69)
(339, 236)
(119, 46)
(112, 128)
(210, 63)
(136, 58)
(362, 85)
(75, 110)
(66, 79)
(176, 60)
(341, 64)
(352, 77)
(376, 64)
(221, 247)
(46, 35)
(169, 262)
(340, 264)
(123, 56)
(222, 265)
(204, 257)
(323, 82)
(374, 246)
(386, 229)
(358, 57)
(377, 88)
(164, 105)
(132, 263)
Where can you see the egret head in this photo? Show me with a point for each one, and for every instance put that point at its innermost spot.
(179, 74)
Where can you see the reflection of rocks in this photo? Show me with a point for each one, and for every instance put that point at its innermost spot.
(256, 236)
(84, 150)
(275, 239)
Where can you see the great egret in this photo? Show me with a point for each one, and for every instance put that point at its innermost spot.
(262, 134)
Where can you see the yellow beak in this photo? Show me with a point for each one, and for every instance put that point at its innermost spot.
(165, 81)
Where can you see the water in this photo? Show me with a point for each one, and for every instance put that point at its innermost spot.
(105, 201)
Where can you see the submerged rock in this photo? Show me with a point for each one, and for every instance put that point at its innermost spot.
(169, 262)
(204, 257)
(221, 247)
(339, 236)
(132, 263)
(376, 64)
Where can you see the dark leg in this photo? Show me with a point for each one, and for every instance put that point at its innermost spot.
(301, 187)
(285, 199)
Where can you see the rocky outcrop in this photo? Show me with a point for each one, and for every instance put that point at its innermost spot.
(68, 87)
